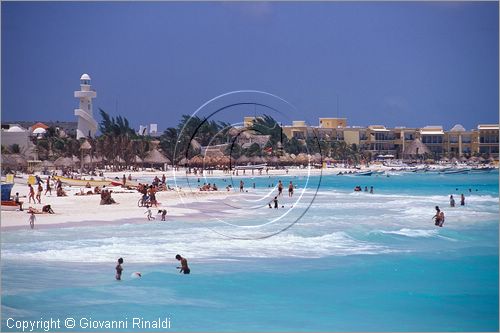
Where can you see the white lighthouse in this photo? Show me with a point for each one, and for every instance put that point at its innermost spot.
(87, 126)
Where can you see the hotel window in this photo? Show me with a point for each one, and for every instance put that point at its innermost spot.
(466, 139)
(453, 138)
(408, 136)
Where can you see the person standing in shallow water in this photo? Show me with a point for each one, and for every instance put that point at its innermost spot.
(280, 187)
(290, 189)
(462, 200)
(119, 269)
(452, 201)
(32, 219)
(184, 264)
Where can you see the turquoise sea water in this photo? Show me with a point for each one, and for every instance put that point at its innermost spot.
(345, 262)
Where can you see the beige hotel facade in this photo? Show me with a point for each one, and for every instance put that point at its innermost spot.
(379, 140)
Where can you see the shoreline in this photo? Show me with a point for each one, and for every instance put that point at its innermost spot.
(182, 203)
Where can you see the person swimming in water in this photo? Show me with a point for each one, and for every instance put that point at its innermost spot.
(119, 269)
(184, 264)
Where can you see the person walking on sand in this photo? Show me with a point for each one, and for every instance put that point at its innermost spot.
(452, 201)
(32, 219)
(39, 193)
(119, 269)
(290, 189)
(31, 194)
(48, 188)
(184, 264)
(462, 200)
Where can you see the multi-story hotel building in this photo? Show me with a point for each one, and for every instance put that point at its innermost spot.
(379, 140)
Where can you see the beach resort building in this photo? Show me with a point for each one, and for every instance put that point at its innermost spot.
(379, 140)
(487, 136)
(14, 134)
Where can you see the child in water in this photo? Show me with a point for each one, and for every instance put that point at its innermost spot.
(119, 269)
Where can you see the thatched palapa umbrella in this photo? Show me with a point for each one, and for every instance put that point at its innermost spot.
(64, 162)
(416, 148)
(302, 159)
(243, 160)
(155, 157)
(197, 161)
(47, 164)
(14, 161)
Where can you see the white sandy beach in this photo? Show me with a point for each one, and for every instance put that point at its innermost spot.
(82, 210)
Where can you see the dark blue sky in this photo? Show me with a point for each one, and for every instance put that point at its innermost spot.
(396, 64)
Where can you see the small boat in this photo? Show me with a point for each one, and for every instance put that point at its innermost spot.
(457, 171)
(250, 167)
(481, 170)
(84, 182)
(365, 173)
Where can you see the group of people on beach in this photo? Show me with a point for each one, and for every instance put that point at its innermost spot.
(183, 268)
(106, 198)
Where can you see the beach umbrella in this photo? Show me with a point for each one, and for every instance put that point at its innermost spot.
(317, 158)
(454, 159)
(301, 159)
(482, 159)
(196, 160)
(416, 148)
(255, 159)
(137, 159)
(274, 160)
(183, 161)
(224, 160)
(64, 162)
(47, 164)
(214, 152)
(14, 161)
(463, 159)
(242, 160)
(155, 157)
(119, 160)
(285, 159)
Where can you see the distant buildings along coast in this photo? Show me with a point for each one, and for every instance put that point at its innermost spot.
(379, 140)
(375, 140)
